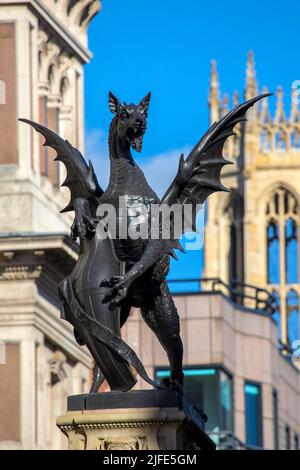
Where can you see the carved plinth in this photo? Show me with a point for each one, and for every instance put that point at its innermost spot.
(136, 420)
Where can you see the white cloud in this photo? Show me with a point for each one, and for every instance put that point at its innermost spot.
(159, 169)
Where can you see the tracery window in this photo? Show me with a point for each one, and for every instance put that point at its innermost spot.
(282, 245)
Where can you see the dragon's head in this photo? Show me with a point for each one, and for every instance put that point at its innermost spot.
(131, 120)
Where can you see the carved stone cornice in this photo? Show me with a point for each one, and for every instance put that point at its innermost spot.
(53, 20)
(20, 272)
(44, 259)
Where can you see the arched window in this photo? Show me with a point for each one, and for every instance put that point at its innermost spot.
(282, 250)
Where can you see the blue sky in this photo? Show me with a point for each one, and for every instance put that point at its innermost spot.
(166, 46)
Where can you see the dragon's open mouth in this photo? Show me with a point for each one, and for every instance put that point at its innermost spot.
(135, 137)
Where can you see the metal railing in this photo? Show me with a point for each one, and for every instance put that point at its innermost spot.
(240, 293)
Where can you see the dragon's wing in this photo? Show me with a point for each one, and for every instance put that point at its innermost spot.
(81, 179)
(199, 175)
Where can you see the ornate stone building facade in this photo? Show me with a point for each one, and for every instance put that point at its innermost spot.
(43, 49)
(253, 233)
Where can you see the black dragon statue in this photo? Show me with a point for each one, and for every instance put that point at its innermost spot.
(113, 274)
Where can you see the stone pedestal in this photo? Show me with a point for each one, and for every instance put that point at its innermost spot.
(135, 420)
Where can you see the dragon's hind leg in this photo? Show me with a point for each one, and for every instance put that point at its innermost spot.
(98, 379)
(162, 317)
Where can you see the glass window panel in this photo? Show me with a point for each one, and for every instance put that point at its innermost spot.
(226, 402)
(253, 414)
(209, 390)
(273, 253)
(291, 255)
(200, 389)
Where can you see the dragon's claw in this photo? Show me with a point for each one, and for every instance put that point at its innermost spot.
(119, 288)
(111, 281)
(83, 223)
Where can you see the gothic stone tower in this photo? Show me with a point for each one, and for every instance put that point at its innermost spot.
(252, 234)
(43, 49)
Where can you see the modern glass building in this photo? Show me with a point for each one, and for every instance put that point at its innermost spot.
(233, 369)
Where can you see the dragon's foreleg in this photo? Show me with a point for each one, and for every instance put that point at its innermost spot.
(154, 251)
(84, 222)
